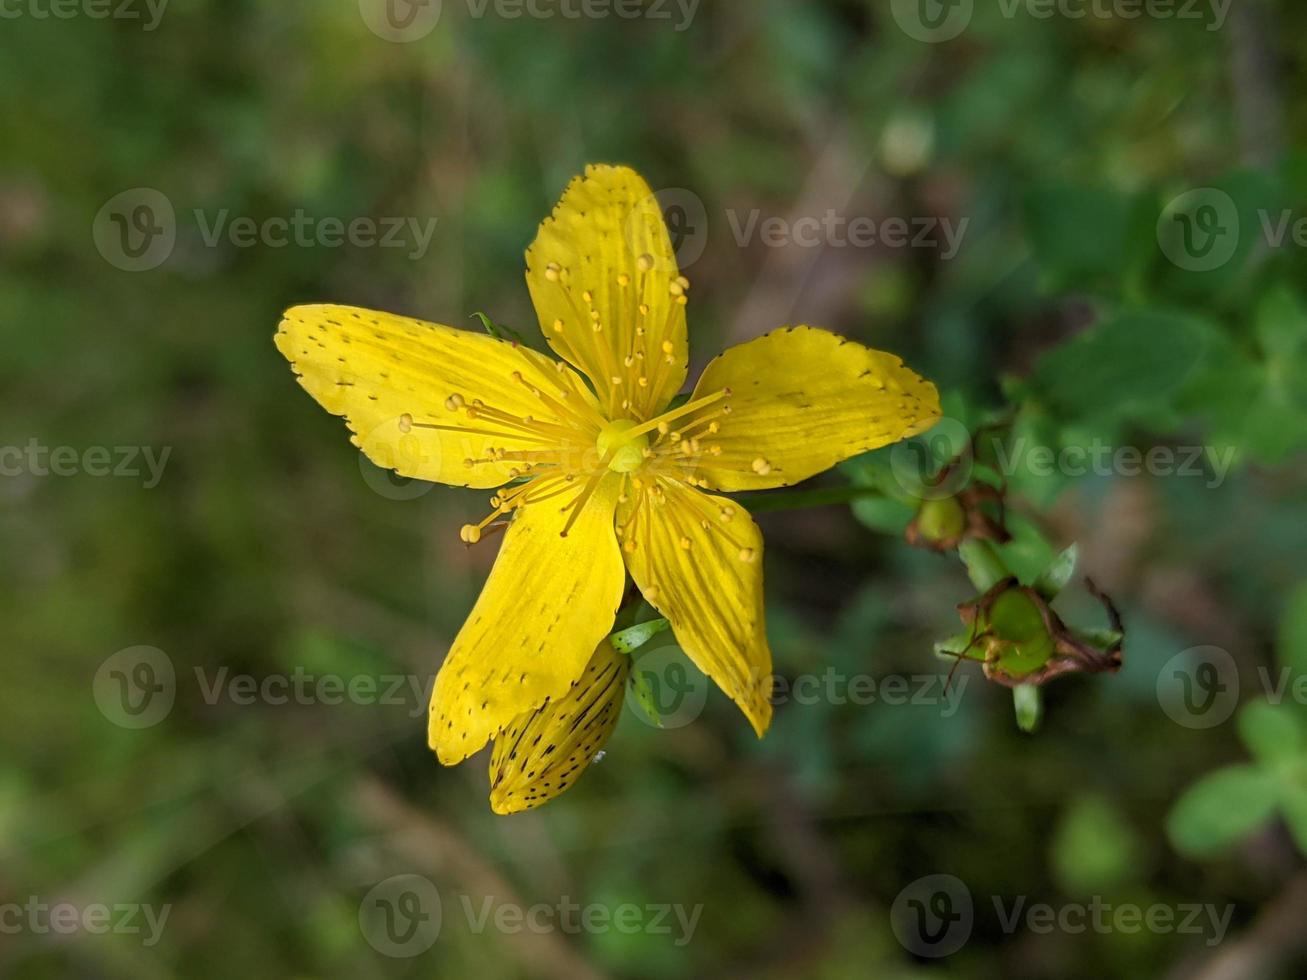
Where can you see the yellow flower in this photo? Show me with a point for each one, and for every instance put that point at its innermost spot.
(597, 475)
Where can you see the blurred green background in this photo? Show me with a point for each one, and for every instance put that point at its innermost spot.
(1128, 277)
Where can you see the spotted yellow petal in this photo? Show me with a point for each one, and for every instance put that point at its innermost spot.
(802, 400)
(604, 280)
(392, 378)
(548, 602)
(543, 752)
(698, 560)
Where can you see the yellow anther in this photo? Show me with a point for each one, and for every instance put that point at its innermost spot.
(470, 533)
(726, 513)
(676, 289)
(653, 593)
(558, 328)
(669, 347)
(454, 402)
(623, 279)
(588, 296)
(685, 544)
(747, 555)
(761, 466)
(551, 272)
(406, 422)
(629, 546)
(645, 262)
(683, 282)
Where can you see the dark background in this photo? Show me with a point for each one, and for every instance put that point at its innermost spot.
(267, 546)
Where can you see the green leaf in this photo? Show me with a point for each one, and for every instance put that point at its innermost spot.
(1094, 848)
(1128, 366)
(958, 645)
(1273, 733)
(640, 690)
(883, 514)
(1281, 322)
(1294, 807)
(499, 330)
(1080, 233)
(1221, 808)
(1291, 644)
(634, 637)
(1056, 574)
(1028, 702)
(1100, 638)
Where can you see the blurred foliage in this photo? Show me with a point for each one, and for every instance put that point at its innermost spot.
(268, 546)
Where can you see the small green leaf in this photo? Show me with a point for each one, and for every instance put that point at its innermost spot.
(1028, 702)
(959, 645)
(1281, 322)
(1221, 808)
(1127, 366)
(1272, 732)
(1294, 806)
(634, 637)
(640, 690)
(1095, 848)
(1291, 648)
(498, 330)
(1056, 574)
(1100, 638)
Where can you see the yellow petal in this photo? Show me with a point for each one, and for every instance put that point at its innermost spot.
(543, 752)
(802, 400)
(391, 377)
(547, 604)
(604, 259)
(698, 561)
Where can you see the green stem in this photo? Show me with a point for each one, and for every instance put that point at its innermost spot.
(984, 567)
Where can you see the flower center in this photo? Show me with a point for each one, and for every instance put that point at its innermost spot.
(627, 450)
